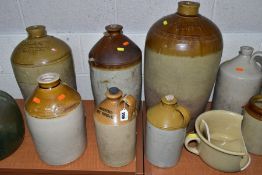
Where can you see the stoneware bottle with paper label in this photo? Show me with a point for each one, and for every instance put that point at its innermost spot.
(56, 121)
(238, 80)
(165, 132)
(115, 123)
(40, 53)
(182, 56)
(11, 125)
(115, 60)
(252, 125)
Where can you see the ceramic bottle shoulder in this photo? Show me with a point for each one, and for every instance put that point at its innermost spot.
(241, 68)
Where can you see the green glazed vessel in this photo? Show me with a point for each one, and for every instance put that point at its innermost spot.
(11, 125)
(40, 53)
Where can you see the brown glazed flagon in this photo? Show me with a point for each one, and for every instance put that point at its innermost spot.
(182, 55)
(40, 53)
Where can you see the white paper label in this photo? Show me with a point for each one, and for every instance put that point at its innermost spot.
(123, 115)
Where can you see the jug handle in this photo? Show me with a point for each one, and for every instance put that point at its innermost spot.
(252, 59)
(185, 113)
(246, 164)
(189, 138)
(129, 100)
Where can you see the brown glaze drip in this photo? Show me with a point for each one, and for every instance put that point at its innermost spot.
(114, 50)
(108, 111)
(185, 33)
(51, 98)
(254, 110)
(40, 49)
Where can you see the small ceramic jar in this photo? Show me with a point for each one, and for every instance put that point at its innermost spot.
(56, 120)
(115, 122)
(11, 125)
(165, 132)
(252, 125)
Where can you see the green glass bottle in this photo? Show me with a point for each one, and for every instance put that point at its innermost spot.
(12, 128)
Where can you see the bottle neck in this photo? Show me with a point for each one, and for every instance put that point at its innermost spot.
(188, 8)
(114, 29)
(37, 31)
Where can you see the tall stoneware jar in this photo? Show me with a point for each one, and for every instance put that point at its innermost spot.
(182, 55)
(252, 125)
(115, 60)
(165, 132)
(56, 120)
(115, 123)
(11, 125)
(40, 53)
(238, 80)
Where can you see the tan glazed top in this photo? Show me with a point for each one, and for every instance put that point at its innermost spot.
(109, 111)
(51, 98)
(168, 115)
(185, 33)
(114, 50)
(39, 49)
(254, 107)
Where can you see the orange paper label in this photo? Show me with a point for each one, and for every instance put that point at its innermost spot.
(239, 69)
(61, 97)
(36, 100)
(126, 43)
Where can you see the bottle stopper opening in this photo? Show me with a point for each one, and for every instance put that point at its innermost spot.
(114, 28)
(48, 80)
(169, 99)
(113, 90)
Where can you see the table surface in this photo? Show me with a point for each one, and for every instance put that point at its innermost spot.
(26, 161)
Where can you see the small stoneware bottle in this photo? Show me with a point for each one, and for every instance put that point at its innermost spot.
(11, 125)
(56, 120)
(165, 132)
(252, 125)
(238, 80)
(115, 122)
(40, 53)
(115, 60)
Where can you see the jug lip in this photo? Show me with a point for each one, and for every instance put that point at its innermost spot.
(212, 145)
(253, 109)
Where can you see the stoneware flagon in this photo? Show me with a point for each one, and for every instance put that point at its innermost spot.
(56, 121)
(252, 125)
(165, 132)
(115, 60)
(115, 123)
(238, 80)
(11, 125)
(40, 53)
(182, 55)
(219, 139)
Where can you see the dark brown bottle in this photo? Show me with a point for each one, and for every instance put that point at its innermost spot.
(115, 60)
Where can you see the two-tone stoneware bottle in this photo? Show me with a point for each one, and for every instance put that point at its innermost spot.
(165, 132)
(115, 123)
(40, 53)
(182, 55)
(56, 120)
(252, 125)
(11, 125)
(115, 60)
(238, 80)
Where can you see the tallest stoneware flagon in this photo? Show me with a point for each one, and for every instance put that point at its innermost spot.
(182, 55)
